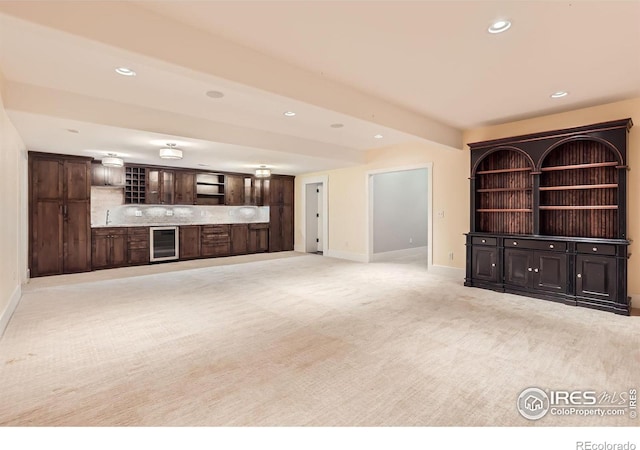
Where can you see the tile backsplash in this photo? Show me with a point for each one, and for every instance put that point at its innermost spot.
(109, 202)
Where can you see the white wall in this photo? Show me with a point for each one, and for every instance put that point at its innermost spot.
(399, 210)
(13, 225)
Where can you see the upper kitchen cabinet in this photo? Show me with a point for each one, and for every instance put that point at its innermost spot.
(235, 190)
(280, 190)
(59, 214)
(185, 188)
(106, 176)
(160, 187)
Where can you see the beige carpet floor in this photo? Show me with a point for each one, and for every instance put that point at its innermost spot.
(294, 339)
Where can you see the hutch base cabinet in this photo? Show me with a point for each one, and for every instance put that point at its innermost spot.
(548, 216)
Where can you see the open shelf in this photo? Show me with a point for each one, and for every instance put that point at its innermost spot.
(513, 169)
(580, 166)
(567, 208)
(504, 189)
(579, 187)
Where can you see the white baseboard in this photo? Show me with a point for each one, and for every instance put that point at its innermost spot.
(11, 307)
(449, 272)
(396, 254)
(359, 257)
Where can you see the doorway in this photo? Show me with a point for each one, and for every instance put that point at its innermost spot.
(400, 216)
(315, 223)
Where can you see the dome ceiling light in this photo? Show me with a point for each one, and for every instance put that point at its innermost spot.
(112, 160)
(263, 172)
(499, 26)
(170, 152)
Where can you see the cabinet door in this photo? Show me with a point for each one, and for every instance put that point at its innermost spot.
(118, 256)
(518, 267)
(100, 250)
(152, 188)
(287, 190)
(185, 188)
(258, 238)
(77, 216)
(46, 216)
(189, 242)
(239, 239)
(275, 228)
(484, 261)
(234, 190)
(276, 191)
(106, 176)
(287, 227)
(596, 277)
(167, 190)
(550, 271)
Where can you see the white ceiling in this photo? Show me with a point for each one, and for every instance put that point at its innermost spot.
(411, 71)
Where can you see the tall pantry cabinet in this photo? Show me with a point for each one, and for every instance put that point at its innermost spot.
(59, 214)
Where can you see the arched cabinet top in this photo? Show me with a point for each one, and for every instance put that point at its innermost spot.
(567, 143)
(505, 148)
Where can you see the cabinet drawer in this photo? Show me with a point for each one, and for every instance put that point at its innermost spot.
(136, 245)
(484, 241)
(109, 231)
(139, 231)
(596, 249)
(536, 245)
(215, 229)
(258, 226)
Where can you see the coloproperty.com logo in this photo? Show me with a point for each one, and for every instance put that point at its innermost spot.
(535, 403)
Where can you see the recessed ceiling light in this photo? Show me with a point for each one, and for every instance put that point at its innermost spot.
(289, 113)
(499, 26)
(378, 136)
(125, 71)
(559, 94)
(336, 125)
(71, 130)
(215, 94)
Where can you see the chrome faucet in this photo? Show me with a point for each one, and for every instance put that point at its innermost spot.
(107, 223)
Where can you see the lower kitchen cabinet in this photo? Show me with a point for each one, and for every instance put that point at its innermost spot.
(189, 242)
(138, 239)
(108, 248)
(258, 238)
(596, 280)
(484, 266)
(215, 240)
(239, 239)
(281, 228)
(544, 271)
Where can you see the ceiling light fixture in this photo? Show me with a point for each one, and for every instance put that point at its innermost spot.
(125, 71)
(499, 26)
(336, 125)
(170, 152)
(112, 160)
(378, 136)
(559, 94)
(263, 172)
(289, 113)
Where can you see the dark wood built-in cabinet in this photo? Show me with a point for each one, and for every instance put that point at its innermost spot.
(109, 248)
(548, 216)
(138, 245)
(189, 241)
(215, 240)
(281, 213)
(59, 214)
(185, 188)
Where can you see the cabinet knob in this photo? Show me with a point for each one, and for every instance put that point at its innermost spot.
(484, 241)
(550, 245)
(595, 249)
(493, 265)
(529, 269)
(579, 275)
(515, 243)
(535, 270)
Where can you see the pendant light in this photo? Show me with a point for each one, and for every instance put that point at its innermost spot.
(170, 152)
(112, 160)
(263, 172)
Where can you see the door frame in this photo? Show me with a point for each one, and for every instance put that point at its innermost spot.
(369, 196)
(324, 210)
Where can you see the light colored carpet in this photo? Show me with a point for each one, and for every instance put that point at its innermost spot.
(293, 339)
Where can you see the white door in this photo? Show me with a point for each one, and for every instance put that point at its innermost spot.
(319, 217)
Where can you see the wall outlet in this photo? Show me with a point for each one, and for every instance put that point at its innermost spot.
(138, 213)
(450, 256)
(441, 214)
(169, 212)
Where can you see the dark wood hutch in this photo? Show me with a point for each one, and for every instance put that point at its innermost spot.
(549, 216)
